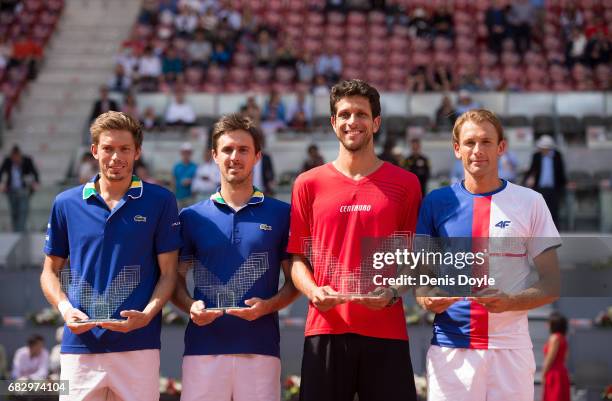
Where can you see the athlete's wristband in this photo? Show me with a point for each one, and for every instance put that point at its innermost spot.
(64, 306)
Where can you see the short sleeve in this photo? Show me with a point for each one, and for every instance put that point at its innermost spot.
(168, 233)
(188, 248)
(412, 208)
(56, 240)
(544, 234)
(301, 209)
(425, 223)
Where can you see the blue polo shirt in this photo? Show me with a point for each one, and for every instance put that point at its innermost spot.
(102, 246)
(237, 256)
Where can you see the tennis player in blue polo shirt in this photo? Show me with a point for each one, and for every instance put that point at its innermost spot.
(236, 243)
(121, 236)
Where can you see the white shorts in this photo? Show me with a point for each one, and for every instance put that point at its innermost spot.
(244, 377)
(460, 374)
(115, 376)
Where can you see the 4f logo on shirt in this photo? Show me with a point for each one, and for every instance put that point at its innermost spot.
(503, 224)
(265, 227)
(140, 219)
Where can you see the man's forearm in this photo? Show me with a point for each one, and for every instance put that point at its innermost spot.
(162, 293)
(531, 298)
(49, 280)
(302, 276)
(286, 295)
(180, 296)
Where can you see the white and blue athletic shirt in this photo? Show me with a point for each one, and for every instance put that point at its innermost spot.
(514, 212)
(103, 247)
(237, 256)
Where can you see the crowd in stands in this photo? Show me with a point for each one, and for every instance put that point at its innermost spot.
(25, 29)
(238, 45)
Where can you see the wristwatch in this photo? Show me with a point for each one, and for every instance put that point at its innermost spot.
(396, 296)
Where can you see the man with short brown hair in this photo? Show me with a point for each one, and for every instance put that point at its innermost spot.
(481, 349)
(121, 236)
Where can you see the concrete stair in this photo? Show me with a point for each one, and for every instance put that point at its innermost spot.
(51, 119)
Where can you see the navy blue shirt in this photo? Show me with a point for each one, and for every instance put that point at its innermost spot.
(237, 256)
(113, 258)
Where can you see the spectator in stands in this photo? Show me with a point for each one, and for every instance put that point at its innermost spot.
(263, 172)
(31, 362)
(596, 25)
(598, 50)
(329, 65)
(285, 54)
(209, 21)
(207, 177)
(521, 18)
(602, 76)
(320, 87)
(21, 182)
(388, 154)
(555, 378)
(179, 112)
(420, 23)
(469, 79)
(220, 55)
(417, 82)
(148, 13)
(491, 79)
(571, 17)
(251, 109)
(445, 114)
(149, 120)
(418, 164)
(183, 173)
(439, 78)
(547, 174)
(274, 109)
(199, 50)
(120, 81)
(576, 47)
(465, 102)
(88, 167)
(149, 70)
(103, 104)
(305, 69)
(129, 61)
(300, 105)
(26, 52)
(129, 106)
(224, 32)
(172, 64)
(508, 166)
(314, 158)
(265, 50)
(497, 26)
(186, 21)
(442, 21)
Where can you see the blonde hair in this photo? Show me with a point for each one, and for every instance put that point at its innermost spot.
(478, 116)
(116, 120)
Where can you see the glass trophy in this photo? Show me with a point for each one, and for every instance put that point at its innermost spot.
(100, 306)
(229, 293)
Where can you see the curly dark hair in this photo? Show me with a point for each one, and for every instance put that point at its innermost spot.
(355, 87)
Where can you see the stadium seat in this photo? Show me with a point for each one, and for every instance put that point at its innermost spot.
(396, 126)
(543, 125)
(571, 129)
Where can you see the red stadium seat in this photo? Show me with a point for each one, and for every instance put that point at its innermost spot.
(377, 17)
(285, 75)
(335, 18)
(356, 18)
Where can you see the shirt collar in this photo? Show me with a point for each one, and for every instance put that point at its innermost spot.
(256, 197)
(134, 192)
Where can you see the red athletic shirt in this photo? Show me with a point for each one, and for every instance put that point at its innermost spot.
(330, 215)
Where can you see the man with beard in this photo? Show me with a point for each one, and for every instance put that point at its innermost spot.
(236, 243)
(122, 238)
(358, 347)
